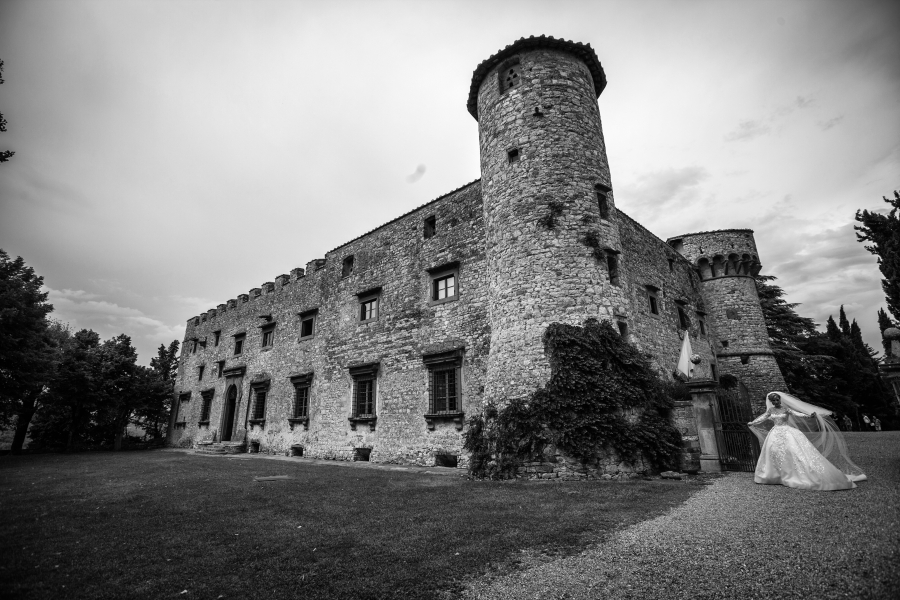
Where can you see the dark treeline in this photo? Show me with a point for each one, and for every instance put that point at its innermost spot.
(835, 369)
(71, 390)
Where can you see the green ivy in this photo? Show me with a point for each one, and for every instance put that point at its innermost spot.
(603, 394)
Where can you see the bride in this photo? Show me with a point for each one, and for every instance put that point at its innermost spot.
(803, 449)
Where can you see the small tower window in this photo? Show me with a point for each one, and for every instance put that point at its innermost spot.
(347, 266)
(216, 336)
(653, 299)
(430, 227)
(623, 329)
(510, 77)
(603, 200)
(683, 320)
(513, 155)
(612, 266)
(239, 343)
(200, 370)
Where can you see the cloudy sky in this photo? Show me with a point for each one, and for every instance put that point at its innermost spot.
(172, 155)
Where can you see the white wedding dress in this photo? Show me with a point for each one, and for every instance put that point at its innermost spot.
(796, 452)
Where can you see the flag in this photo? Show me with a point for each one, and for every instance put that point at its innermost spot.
(685, 366)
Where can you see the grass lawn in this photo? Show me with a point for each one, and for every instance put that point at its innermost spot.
(152, 524)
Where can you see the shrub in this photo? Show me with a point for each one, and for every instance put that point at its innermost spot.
(602, 395)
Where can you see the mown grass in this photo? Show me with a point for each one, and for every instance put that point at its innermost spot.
(152, 524)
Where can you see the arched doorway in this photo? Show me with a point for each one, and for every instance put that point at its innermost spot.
(738, 447)
(228, 413)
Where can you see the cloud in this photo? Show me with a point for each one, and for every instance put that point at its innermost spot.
(747, 130)
(416, 175)
(826, 125)
(665, 186)
(87, 310)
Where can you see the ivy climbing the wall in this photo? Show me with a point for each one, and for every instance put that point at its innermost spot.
(603, 394)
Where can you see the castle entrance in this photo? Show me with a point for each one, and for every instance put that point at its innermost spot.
(738, 447)
(228, 413)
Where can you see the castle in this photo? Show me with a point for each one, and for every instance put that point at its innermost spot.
(380, 350)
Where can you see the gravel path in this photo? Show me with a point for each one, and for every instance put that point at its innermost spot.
(736, 539)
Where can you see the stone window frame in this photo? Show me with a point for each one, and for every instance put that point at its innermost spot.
(200, 370)
(513, 155)
(653, 300)
(601, 190)
(194, 343)
(240, 339)
(450, 361)
(612, 266)
(440, 273)
(267, 336)
(429, 225)
(217, 336)
(684, 322)
(301, 382)
(366, 297)
(259, 398)
(220, 369)
(365, 374)
(308, 316)
(514, 65)
(347, 266)
(206, 406)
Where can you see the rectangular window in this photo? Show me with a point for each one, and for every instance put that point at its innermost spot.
(513, 155)
(268, 337)
(347, 266)
(259, 404)
(200, 370)
(194, 344)
(430, 227)
(701, 323)
(653, 299)
(444, 287)
(307, 323)
(683, 320)
(623, 329)
(368, 310)
(220, 368)
(207, 406)
(444, 397)
(216, 336)
(364, 397)
(603, 200)
(612, 267)
(239, 343)
(301, 401)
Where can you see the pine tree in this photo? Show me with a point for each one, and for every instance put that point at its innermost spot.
(883, 231)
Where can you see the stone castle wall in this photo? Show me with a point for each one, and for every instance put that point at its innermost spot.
(395, 258)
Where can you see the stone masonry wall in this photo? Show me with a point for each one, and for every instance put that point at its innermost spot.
(537, 273)
(396, 259)
(652, 265)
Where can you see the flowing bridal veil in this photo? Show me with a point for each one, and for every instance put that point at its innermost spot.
(820, 430)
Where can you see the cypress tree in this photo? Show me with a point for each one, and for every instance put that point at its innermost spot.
(883, 231)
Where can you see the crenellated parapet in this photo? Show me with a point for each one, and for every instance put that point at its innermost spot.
(720, 253)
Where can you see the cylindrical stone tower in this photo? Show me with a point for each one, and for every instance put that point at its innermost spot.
(727, 260)
(552, 238)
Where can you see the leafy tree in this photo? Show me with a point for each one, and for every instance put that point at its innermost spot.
(154, 414)
(883, 231)
(26, 344)
(5, 155)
